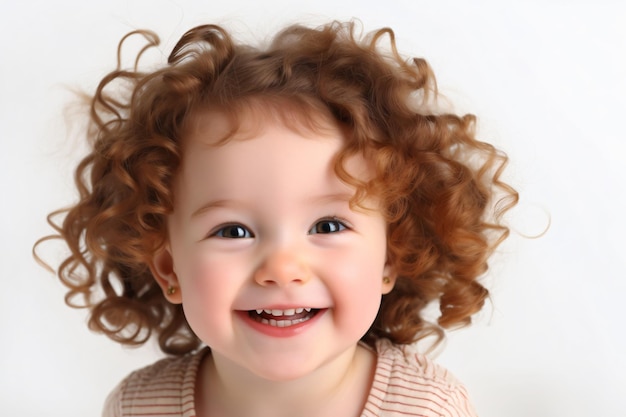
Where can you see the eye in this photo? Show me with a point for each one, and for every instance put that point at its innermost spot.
(233, 231)
(327, 226)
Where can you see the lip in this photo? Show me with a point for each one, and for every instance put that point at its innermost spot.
(280, 332)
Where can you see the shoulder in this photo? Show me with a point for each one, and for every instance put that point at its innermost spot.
(408, 383)
(163, 388)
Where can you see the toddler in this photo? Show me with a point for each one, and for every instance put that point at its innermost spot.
(278, 217)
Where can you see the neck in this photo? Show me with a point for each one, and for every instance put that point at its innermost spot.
(339, 387)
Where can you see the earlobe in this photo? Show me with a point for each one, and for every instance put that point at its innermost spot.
(389, 279)
(162, 268)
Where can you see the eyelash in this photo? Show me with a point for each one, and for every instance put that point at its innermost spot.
(242, 232)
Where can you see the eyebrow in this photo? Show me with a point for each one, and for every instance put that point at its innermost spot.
(212, 205)
(331, 198)
(321, 199)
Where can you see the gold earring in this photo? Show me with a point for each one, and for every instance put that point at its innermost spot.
(171, 290)
(386, 280)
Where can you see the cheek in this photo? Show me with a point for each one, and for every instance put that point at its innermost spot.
(356, 282)
(201, 275)
(356, 308)
(202, 271)
(208, 286)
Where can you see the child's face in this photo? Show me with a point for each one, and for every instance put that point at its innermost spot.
(264, 224)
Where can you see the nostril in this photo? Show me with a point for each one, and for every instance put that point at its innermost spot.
(280, 281)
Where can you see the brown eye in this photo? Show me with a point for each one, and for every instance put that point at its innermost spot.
(233, 231)
(327, 226)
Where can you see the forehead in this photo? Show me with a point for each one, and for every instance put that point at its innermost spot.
(276, 150)
(273, 131)
(263, 164)
(251, 146)
(253, 153)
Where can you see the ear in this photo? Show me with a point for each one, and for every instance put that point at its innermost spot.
(162, 268)
(391, 275)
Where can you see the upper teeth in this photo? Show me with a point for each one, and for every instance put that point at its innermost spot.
(288, 312)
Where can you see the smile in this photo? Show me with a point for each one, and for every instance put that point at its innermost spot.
(283, 318)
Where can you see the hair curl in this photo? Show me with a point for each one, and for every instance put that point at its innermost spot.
(439, 186)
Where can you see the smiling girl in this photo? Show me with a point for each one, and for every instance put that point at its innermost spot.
(279, 217)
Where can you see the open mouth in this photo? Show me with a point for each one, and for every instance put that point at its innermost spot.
(283, 318)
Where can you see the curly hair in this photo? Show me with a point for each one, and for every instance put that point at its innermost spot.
(439, 186)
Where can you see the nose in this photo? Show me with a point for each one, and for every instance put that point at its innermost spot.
(282, 269)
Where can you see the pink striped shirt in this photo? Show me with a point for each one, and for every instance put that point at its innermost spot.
(405, 384)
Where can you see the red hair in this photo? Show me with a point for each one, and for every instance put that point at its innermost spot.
(439, 186)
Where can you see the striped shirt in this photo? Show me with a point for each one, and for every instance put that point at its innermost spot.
(405, 384)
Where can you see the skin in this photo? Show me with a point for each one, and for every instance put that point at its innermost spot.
(263, 222)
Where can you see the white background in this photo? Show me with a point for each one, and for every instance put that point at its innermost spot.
(548, 82)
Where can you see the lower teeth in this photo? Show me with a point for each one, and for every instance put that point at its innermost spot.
(283, 323)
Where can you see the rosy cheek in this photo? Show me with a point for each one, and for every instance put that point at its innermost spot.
(202, 274)
(215, 277)
(197, 273)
